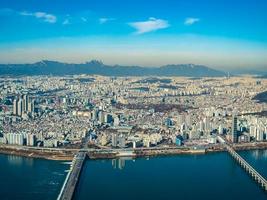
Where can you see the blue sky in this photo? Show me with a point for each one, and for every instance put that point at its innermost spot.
(222, 34)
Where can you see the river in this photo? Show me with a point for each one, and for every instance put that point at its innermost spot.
(30, 179)
(186, 177)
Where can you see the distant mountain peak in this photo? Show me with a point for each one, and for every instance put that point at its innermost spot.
(95, 62)
(40, 63)
(46, 63)
(46, 67)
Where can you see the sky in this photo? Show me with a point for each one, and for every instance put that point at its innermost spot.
(222, 34)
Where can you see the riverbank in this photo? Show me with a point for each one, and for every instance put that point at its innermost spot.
(149, 152)
(40, 153)
(68, 154)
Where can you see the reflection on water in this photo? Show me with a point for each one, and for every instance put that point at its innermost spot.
(66, 163)
(259, 154)
(120, 162)
(18, 160)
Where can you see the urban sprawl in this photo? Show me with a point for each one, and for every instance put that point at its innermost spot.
(100, 112)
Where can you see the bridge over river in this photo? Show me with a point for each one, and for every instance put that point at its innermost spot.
(71, 181)
(72, 178)
(244, 164)
(248, 168)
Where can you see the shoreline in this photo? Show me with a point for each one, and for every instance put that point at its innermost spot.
(41, 154)
(68, 154)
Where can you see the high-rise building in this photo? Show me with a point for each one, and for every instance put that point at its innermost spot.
(260, 134)
(25, 101)
(19, 107)
(30, 107)
(30, 139)
(15, 138)
(121, 141)
(116, 121)
(234, 129)
(220, 129)
(207, 126)
(23, 105)
(114, 140)
(201, 126)
(15, 108)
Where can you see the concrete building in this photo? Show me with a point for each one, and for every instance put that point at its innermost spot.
(30, 139)
(121, 141)
(15, 138)
(114, 140)
(234, 134)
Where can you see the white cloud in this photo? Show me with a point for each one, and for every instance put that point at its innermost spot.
(41, 15)
(104, 20)
(66, 22)
(190, 21)
(152, 24)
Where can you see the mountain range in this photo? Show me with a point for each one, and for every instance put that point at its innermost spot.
(46, 67)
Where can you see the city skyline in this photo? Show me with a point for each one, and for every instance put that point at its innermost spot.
(221, 35)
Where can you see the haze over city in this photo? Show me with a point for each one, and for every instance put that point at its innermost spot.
(223, 34)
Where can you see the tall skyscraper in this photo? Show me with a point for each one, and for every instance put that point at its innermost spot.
(25, 100)
(30, 107)
(234, 129)
(15, 109)
(23, 105)
(207, 126)
(19, 107)
(114, 140)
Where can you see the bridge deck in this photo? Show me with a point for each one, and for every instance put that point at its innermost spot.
(72, 178)
(255, 175)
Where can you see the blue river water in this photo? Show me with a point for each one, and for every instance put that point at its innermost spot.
(184, 177)
(30, 179)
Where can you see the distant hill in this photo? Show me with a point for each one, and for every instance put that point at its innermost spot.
(97, 67)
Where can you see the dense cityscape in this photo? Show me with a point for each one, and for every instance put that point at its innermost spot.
(131, 112)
